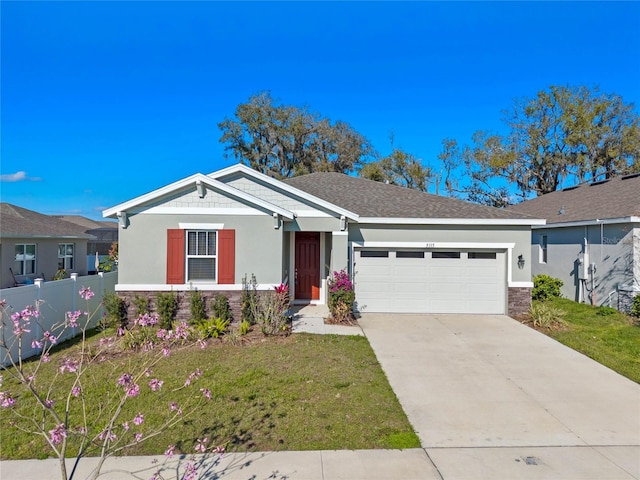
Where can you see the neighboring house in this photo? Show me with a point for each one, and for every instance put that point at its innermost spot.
(105, 233)
(34, 245)
(408, 251)
(591, 240)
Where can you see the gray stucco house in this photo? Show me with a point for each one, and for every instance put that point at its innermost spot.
(407, 251)
(591, 240)
(35, 245)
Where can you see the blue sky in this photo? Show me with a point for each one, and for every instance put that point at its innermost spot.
(105, 101)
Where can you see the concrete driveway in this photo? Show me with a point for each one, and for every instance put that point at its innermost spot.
(491, 398)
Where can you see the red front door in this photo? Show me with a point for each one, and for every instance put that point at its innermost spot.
(307, 267)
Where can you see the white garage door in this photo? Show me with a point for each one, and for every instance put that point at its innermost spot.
(418, 281)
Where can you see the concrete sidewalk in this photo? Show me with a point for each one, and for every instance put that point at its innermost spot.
(412, 464)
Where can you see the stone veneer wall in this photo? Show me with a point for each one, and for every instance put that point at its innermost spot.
(519, 300)
(625, 300)
(184, 310)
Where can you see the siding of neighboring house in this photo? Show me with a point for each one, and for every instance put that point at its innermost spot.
(610, 248)
(46, 258)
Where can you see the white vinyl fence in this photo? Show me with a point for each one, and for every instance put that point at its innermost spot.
(53, 300)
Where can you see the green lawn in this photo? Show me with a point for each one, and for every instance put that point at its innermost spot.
(303, 392)
(613, 340)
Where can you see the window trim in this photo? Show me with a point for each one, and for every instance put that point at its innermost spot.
(23, 262)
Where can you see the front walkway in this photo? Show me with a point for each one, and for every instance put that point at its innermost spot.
(310, 319)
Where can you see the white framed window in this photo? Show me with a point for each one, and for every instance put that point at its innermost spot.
(65, 256)
(543, 249)
(25, 260)
(202, 255)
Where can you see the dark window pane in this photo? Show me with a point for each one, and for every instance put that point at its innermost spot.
(409, 254)
(191, 243)
(485, 255)
(202, 269)
(445, 254)
(374, 253)
(211, 250)
(202, 243)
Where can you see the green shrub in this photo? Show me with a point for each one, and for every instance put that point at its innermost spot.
(167, 307)
(60, 274)
(233, 337)
(213, 327)
(545, 287)
(635, 306)
(604, 311)
(115, 314)
(244, 327)
(139, 337)
(141, 304)
(546, 315)
(197, 307)
(248, 299)
(220, 307)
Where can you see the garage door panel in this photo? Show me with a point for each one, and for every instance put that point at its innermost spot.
(409, 272)
(409, 288)
(370, 289)
(431, 285)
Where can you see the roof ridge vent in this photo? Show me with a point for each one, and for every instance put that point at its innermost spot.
(570, 188)
(631, 175)
(599, 182)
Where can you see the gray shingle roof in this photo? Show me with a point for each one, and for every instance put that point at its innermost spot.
(368, 198)
(86, 222)
(614, 198)
(19, 222)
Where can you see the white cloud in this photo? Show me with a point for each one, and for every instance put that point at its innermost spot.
(17, 177)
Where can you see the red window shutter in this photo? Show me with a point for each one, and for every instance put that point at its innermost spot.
(226, 256)
(175, 256)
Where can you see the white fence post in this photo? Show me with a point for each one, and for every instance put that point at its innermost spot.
(38, 283)
(101, 293)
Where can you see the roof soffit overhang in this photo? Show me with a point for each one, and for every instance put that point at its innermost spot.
(194, 180)
(47, 236)
(240, 168)
(583, 223)
(453, 221)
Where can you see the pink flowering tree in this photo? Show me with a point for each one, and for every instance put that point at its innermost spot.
(58, 409)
